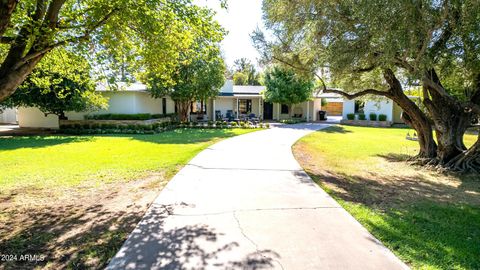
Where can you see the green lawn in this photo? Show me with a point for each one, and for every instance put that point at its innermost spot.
(75, 199)
(429, 220)
(61, 161)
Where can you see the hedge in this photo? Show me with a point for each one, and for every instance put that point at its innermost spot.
(118, 116)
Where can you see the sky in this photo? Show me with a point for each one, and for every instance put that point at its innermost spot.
(240, 19)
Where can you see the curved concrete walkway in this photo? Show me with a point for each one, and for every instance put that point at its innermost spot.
(245, 203)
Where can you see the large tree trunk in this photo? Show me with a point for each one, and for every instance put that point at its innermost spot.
(183, 109)
(450, 121)
(414, 117)
(11, 78)
(419, 122)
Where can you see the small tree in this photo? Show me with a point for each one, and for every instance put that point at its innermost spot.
(285, 87)
(55, 89)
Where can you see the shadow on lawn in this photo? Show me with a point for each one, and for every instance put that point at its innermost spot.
(432, 223)
(183, 136)
(335, 129)
(395, 157)
(60, 234)
(11, 143)
(178, 136)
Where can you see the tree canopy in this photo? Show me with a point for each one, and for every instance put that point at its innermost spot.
(377, 48)
(119, 36)
(285, 87)
(245, 73)
(199, 74)
(59, 83)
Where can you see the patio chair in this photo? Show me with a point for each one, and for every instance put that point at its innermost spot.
(230, 116)
(297, 112)
(253, 118)
(218, 115)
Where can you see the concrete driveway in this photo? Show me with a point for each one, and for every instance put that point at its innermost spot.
(245, 203)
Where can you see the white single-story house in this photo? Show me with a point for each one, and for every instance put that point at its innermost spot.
(8, 116)
(134, 98)
(379, 106)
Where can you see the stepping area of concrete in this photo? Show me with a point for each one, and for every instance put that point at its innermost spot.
(245, 203)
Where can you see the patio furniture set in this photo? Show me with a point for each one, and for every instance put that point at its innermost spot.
(230, 116)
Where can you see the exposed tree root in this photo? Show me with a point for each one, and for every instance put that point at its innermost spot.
(467, 162)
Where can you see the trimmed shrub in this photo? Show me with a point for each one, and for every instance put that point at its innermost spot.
(267, 125)
(361, 116)
(112, 116)
(382, 117)
(234, 124)
(351, 116)
(372, 117)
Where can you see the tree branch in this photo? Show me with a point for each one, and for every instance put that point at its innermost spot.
(435, 86)
(6, 10)
(85, 36)
(52, 13)
(358, 94)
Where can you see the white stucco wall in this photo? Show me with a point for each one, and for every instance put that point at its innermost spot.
(146, 104)
(223, 104)
(33, 117)
(128, 103)
(119, 102)
(381, 106)
(8, 116)
(348, 107)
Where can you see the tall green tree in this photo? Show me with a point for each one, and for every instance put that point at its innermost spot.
(59, 83)
(200, 70)
(245, 72)
(285, 87)
(121, 36)
(376, 47)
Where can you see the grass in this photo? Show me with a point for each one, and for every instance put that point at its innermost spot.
(51, 162)
(75, 199)
(429, 220)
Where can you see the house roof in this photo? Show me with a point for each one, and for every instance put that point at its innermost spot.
(248, 89)
(122, 86)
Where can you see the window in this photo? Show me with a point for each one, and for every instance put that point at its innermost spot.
(359, 106)
(164, 106)
(245, 106)
(284, 109)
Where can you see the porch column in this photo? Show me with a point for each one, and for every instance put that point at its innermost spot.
(214, 115)
(314, 116)
(308, 110)
(278, 111)
(259, 106)
(238, 113)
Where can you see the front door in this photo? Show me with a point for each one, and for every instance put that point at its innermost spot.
(267, 111)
